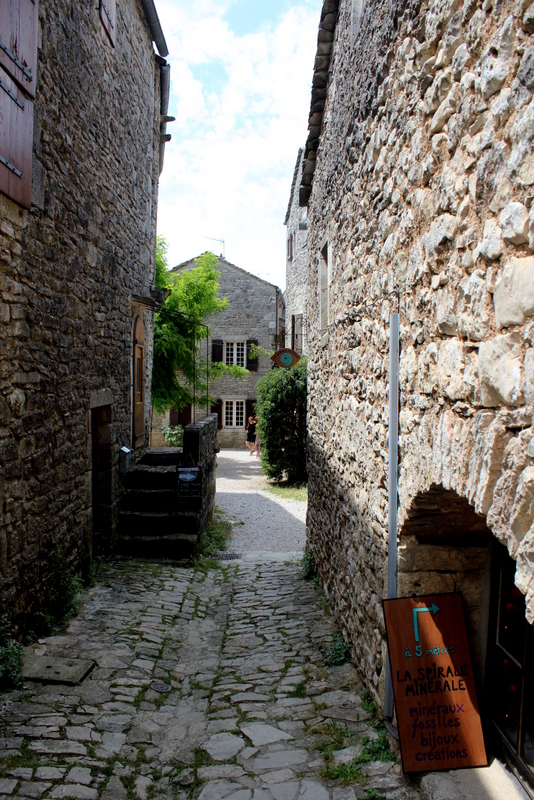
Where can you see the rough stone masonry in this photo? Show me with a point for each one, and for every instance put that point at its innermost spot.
(70, 270)
(419, 176)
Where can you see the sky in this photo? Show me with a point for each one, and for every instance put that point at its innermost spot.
(241, 74)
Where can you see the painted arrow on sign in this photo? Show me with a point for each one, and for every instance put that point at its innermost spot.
(433, 610)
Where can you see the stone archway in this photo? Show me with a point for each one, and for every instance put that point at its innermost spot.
(446, 547)
(485, 459)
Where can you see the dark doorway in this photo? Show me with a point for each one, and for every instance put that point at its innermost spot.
(139, 384)
(510, 697)
(102, 479)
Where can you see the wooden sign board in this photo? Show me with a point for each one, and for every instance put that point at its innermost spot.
(286, 357)
(437, 709)
(189, 488)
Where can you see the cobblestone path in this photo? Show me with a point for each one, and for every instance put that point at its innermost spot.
(253, 712)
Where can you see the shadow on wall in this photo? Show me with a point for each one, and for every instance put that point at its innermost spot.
(346, 531)
(444, 546)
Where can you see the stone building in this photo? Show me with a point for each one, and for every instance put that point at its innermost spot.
(296, 293)
(85, 97)
(255, 315)
(418, 177)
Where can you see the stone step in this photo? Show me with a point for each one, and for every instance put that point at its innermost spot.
(177, 546)
(153, 524)
(162, 500)
(146, 477)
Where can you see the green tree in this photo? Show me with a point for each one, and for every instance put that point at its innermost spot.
(179, 368)
(281, 407)
(163, 280)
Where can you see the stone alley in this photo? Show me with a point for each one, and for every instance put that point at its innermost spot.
(208, 683)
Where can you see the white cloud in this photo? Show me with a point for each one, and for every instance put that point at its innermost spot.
(242, 106)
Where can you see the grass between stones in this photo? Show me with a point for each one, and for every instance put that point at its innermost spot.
(299, 690)
(373, 750)
(291, 491)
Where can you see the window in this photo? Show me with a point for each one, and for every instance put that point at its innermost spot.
(297, 333)
(356, 14)
(234, 354)
(290, 247)
(234, 413)
(324, 284)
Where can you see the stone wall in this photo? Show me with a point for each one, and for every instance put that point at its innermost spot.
(200, 444)
(296, 293)
(70, 270)
(422, 185)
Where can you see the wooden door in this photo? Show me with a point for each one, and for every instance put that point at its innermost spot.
(139, 384)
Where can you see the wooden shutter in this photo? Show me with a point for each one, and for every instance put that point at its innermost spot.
(186, 416)
(16, 135)
(216, 349)
(252, 363)
(108, 15)
(18, 41)
(174, 418)
(217, 408)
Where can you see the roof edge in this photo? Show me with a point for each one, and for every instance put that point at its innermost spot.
(321, 74)
(228, 263)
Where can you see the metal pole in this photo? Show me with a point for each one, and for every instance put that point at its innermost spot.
(194, 373)
(393, 450)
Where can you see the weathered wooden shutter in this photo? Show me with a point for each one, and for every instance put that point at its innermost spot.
(249, 408)
(216, 349)
(252, 363)
(108, 15)
(186, 416)
(217, 408)
(18, 65)
(16, 141)
(18, 41)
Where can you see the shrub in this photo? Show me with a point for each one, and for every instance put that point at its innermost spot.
(10, 657)
(309, 571)
(340, 651)
(173, 435)
(281, 407)
(61, 590)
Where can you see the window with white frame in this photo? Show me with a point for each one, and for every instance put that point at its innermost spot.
(234, 354)
(234, 413)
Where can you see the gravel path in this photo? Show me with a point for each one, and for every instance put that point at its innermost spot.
(269, 524)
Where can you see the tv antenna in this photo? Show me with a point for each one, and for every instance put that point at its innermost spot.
(221, 241)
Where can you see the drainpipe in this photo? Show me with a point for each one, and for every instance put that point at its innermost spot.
(277, 323)
(155, 27)
(165, 83)
(393, 454)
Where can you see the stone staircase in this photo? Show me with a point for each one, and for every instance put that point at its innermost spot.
(150, 522)
(153, 523)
